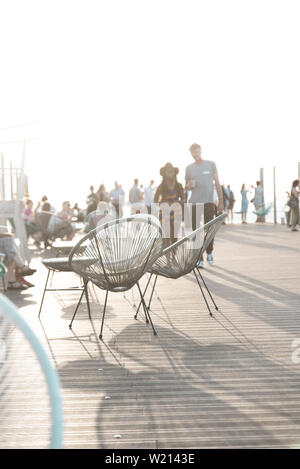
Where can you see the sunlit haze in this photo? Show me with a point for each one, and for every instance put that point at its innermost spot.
(115, 89)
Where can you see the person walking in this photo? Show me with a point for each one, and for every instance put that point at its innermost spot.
(91, 201)
(201, 176)
(287, 210)
(245, 203)
(117, 199)
(136, 199)
(294, 205)
(102, 195)
(149, 195)
(135, 193)
(231, 201)
(258, 201)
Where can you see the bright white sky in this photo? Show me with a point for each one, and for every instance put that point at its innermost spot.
(120, 87)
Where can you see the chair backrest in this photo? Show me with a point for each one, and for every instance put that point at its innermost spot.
(114, 256)
(95, 218)
(30, 401)
(51, 224)
(182, 256)
(42, 220)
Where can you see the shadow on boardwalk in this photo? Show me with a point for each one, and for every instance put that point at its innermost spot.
(190, 396)
(259, 300)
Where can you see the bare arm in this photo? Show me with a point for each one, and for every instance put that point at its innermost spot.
(219, 192)
(157, 195)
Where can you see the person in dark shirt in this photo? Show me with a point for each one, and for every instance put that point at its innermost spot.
(91, 200)
(170, 192)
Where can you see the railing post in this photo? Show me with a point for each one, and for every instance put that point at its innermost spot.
(2, 177)
(263, 188)
(274, 186)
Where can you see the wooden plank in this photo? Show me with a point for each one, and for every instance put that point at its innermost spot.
(221, 382)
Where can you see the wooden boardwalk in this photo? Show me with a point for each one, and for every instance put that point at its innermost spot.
(222, 382)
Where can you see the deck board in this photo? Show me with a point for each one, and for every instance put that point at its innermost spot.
(227, 381)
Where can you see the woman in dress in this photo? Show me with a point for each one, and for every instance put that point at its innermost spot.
(245, 203)
(294, 205)
(170, 192)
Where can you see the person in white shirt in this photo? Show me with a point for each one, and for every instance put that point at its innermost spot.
(117, 199)
(149, 195)
(136, 199)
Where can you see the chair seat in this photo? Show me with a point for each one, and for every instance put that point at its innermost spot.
(64, 246)
(58, 263)
(62, 263)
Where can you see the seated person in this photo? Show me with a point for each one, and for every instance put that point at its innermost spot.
(68, 229)
(55, 226)
(42, 219)
(78, 213)
(29, 221)
(16, 268)
(43, 202)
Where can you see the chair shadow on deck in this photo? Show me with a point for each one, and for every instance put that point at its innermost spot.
(185, 394)
(254, 287)
(82, 314)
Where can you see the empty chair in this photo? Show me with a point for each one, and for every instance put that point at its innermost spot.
(61, 264)
(183, 256)
(116, 255)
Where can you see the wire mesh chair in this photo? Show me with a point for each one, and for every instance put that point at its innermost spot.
(263, 210)
(3, 270)
(116, 255)
(183, 256)
(52, 226)
(30, 402)
(61, 264)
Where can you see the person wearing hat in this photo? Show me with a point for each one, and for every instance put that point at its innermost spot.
(41, 206)
(170, 192)
(201, 177)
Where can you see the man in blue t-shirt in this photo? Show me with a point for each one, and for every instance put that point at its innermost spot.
(201, 179)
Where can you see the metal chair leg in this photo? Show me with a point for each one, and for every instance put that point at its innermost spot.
(100, 335)
(76, 309)
(51, 281)
(87, 297)
(152, 292)
(144, 307)
(209, 310)
(198, 270)
(133, 299)
(44, 293)
(135, 316)
(146, 310)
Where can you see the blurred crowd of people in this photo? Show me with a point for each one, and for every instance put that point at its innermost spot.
(43, 223)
